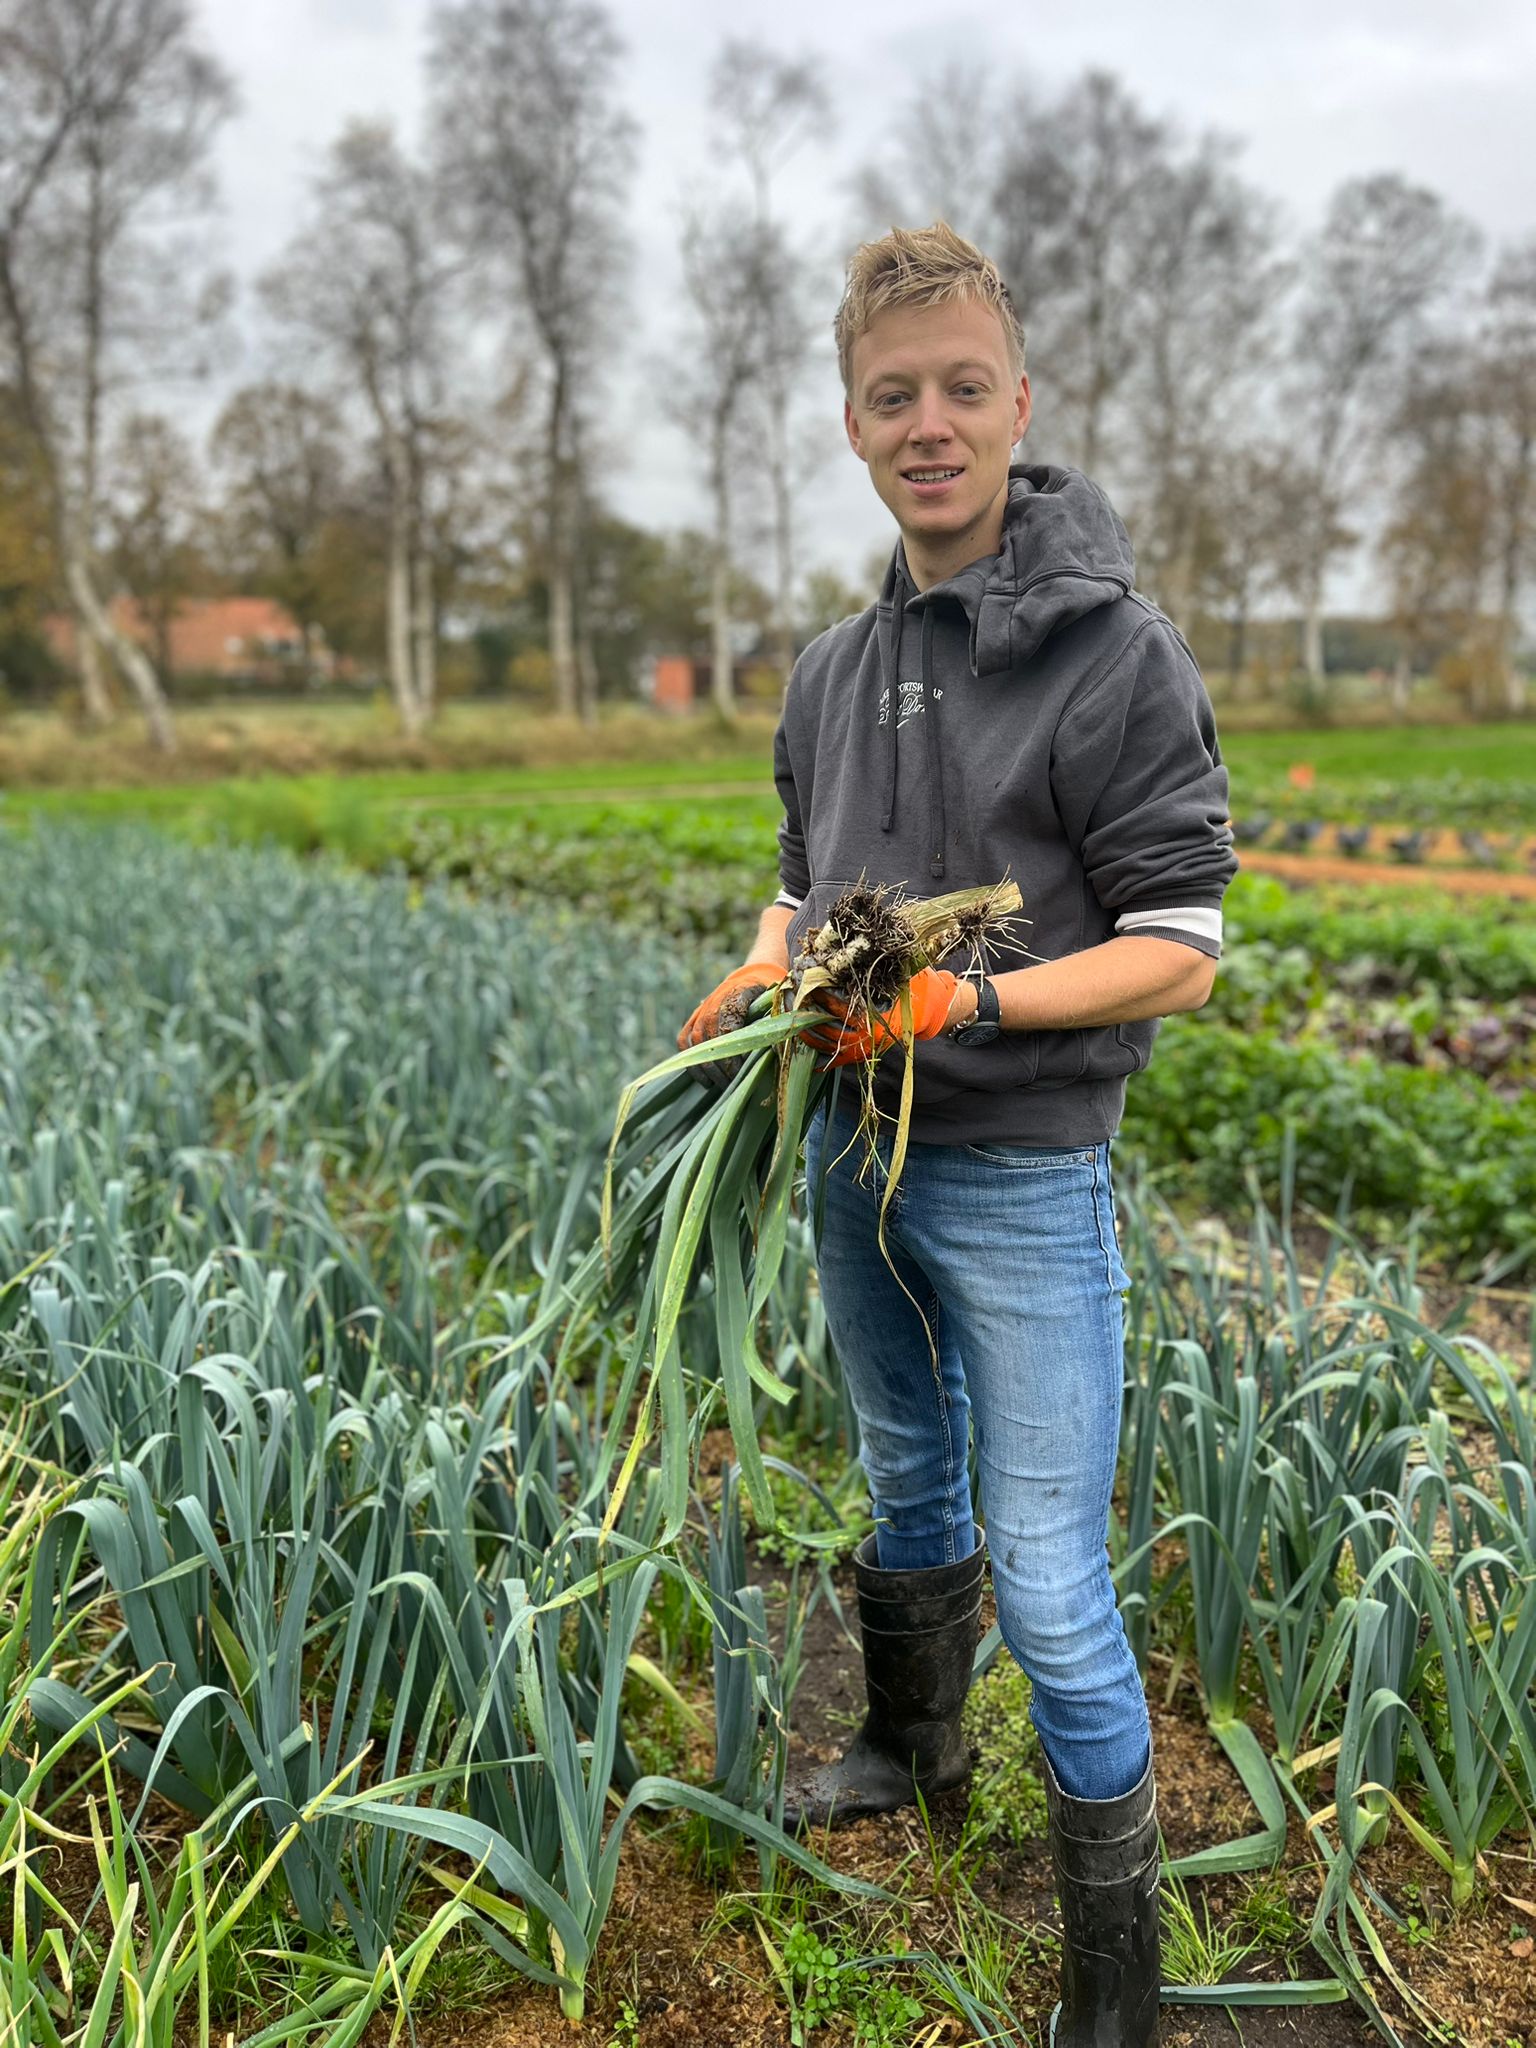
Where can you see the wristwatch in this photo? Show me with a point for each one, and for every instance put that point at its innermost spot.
(983, 1024)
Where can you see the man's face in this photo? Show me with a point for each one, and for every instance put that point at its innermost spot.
(935, 412)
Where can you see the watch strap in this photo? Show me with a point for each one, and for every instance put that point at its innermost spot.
(985, 1020)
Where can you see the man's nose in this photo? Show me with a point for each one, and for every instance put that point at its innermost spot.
(931, 419)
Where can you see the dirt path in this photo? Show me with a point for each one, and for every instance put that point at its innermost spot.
(1324, 867)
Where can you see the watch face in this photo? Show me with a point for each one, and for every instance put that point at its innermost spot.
(976, 1033)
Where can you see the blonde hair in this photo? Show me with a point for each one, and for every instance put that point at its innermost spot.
(920, 267)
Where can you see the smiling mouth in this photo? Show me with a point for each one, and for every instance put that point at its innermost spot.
(931, 476)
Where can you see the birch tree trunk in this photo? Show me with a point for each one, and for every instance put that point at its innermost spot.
(424, 633)
(722, 682)
(1312, 629)
(1516, 540)
(399, 599)
(130, 660)
(562, 624)
(562, 549)
(586, 674)
(99, 708)
(783, 528)
(1401, 686)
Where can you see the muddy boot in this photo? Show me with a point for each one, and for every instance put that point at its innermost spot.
(920, 1630)
(1107, 1869)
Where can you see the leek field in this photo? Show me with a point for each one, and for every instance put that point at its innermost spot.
(328, 1717)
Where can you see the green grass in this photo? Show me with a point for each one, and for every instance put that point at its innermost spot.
(1010, 1800)
(488, 793)
(373, 815)
(1194, 1950)
(1341, 758)
(1503, 753)
(718, 809)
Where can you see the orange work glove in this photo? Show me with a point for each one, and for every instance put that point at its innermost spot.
(725, 1008)
(933, 990)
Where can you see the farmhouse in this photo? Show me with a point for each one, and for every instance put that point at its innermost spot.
(237, 639)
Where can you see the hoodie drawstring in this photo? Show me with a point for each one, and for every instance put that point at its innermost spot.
(889, 629)
(935, 761)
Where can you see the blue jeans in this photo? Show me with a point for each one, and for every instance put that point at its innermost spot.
(1010, 1254)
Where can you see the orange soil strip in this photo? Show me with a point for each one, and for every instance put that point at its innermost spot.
(1318, 867)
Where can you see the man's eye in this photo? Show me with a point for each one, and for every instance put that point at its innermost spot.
(970, 390)
(887, 400)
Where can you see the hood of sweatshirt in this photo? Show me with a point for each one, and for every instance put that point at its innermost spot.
(1064, 552)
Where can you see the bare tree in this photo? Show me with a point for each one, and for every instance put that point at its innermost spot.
(538, 153)
(107, 112)
(940, 167)
(1387, 253)
(1509, 393)
(368, 277)
(726, 280)
(157, 517)
(1458, 542)
(765, 107)
(1211, 281)
(1436, 544)
(28, 568)
(1255, 501)
(281, 451)
(1074, 210)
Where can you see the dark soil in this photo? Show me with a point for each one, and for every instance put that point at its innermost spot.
(1200, 1801)
(1322, 867)
(1478, 1980)
(695, 1978)
(695, 1983)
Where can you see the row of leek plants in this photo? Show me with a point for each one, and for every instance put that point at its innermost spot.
(1296, 1442)
(324, 1534)
(325, 1498)
(475, 1051)
(1349, 1562)
(389, 1576)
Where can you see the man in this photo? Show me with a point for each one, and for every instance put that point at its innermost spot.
(1009, 706)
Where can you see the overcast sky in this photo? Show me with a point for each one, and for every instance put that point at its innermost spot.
(1318, 90)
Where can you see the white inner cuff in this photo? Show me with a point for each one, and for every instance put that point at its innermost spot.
(1200, 920)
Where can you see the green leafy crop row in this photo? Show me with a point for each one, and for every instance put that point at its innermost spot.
(1211, 1115)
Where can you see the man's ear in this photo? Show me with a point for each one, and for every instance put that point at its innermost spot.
(851, 429)
(1023, 405)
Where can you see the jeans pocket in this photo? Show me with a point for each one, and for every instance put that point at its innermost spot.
(1033, 1158)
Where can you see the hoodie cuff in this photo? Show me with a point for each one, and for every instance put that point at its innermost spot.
(1190, 924)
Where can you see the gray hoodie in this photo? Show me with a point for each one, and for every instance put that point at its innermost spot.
(1030, 717)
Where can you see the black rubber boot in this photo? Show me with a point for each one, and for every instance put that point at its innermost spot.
(920, 1630)
(1107, 1869)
